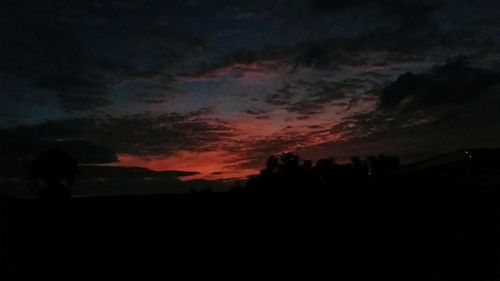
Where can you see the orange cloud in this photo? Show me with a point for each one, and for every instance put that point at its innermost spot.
(243, 152)
(210, 165)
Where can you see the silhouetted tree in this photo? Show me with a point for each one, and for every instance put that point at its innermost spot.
(53, 172)
(359, 167)
(382, 165)
(272, 164)
(288, 172)
(324, 171)
(284, 172)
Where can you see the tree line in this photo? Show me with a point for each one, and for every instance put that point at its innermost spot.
(291, 172)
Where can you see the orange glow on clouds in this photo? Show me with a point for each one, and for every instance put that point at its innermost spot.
(210, 165)
(248, 73)
(280, 131)
(221, 164)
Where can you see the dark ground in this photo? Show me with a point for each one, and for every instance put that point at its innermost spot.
(411, 231)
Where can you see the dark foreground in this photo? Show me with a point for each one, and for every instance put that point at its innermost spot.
(408, 232)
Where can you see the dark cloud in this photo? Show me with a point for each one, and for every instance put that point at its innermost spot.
(413, 137)
(328, 34)
(291, 11)
(40, 47)
(317, 95)
(456, 82)
(18, 149)
(332, 52)
(412, 14)
(446, 92)
(259, 113)
(316, 102)
(325, 6)
(85, 48)
(254, 152)
(151, 97)
(142, 134)
(111, 172)
(316, 56)
(453, 106)
(156, 94)
(161, 135)
(78, 51)
(401, 22)
(17, 146)
(255, 111)
(283, 96)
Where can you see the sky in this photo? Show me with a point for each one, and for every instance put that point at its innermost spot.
(215, 87)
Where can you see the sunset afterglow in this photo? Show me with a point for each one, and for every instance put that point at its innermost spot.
(217, 87)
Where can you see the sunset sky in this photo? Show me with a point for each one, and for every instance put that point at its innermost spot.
(215, 87)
